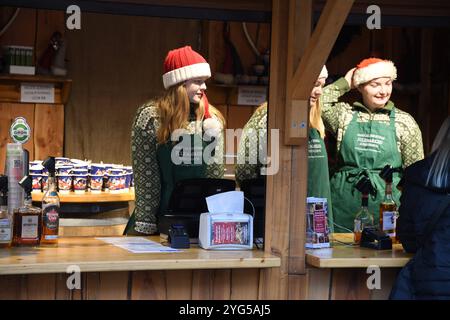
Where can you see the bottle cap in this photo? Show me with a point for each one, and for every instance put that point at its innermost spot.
(386, 173)
(27, 184)
(50, 165)
(365, 186)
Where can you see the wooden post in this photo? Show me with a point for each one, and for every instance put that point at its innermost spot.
(274, 281)
(426, 49)
(319, 47)
(300, 24)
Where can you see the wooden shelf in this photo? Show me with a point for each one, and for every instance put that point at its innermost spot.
(10, 86)
(342, 256)
(89, 197)
(93, 255)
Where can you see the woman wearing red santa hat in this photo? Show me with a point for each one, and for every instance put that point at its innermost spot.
(370, 134)
(181, 114)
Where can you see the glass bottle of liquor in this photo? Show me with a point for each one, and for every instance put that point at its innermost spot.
(388, 212)
(363, 219)
(5, 218)
(50, 206)
(388, 207)
(27, 220)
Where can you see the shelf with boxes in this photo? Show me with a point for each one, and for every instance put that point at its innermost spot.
(12, 87)
(84, 182)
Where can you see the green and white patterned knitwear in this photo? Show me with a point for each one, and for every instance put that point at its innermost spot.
(147, 179)
(338, 115)
(249, 147)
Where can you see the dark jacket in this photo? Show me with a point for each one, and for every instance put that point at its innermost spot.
(428, 274)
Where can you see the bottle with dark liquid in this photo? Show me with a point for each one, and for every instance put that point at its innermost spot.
(27, 219)
(50, 206)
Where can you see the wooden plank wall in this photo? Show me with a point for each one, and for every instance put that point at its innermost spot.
(226, 284)
(46, 121)
(115, 63)
(221, 284)
(47, 127)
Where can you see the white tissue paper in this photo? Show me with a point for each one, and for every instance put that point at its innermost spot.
(226, 202)
(226, 226)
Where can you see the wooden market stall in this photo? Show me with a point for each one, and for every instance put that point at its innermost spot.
(284, 270)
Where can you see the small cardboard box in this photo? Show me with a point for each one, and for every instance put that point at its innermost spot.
(226, 231)
(317, 229)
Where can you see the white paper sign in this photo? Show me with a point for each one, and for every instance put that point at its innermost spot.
(252, 95)
(37, 92)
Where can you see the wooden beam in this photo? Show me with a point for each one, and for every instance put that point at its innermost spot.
(426, 54)
(300, 25)
(274, 281)
(319, 47)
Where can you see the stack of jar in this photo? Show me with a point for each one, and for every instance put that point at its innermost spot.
(80, 176)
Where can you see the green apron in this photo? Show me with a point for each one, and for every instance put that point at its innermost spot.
(366, 148)
(318, 175)
(171, 173)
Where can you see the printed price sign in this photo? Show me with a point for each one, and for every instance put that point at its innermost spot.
(37, 92)
(252, 95)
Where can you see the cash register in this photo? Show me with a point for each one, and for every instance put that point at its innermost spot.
(187, 202)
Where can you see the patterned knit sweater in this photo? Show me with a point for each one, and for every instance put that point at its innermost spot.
(249, 147)
(338, 115)
(146, 169)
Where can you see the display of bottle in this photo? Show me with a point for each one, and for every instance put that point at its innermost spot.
(27, 224)
(6, 231)
(388, 213)
(363, 218)
(388, 207)
(50, 206)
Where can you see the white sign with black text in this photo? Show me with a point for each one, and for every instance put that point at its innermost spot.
(37, 92)
(252, 95)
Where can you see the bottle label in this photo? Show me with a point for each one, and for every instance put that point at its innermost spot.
(389, 219)
(30, 225)
(5, 230)
(50, 216)
(357, 227)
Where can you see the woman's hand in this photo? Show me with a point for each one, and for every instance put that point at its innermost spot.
(349, 78)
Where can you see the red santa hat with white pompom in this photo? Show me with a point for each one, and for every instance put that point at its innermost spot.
(372, 68)
(184, 64)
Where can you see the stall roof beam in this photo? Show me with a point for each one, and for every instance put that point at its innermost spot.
(319, 47)
(313, 58)
(181, 10)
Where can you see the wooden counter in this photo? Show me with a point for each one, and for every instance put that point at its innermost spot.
(93, 255)
(89, 197)
(344, 256)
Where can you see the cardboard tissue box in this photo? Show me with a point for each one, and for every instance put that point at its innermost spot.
(225, 226)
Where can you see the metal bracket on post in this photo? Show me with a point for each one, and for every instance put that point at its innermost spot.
(298, 122)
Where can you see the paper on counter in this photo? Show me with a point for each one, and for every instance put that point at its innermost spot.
(137, 244)
(226, 202)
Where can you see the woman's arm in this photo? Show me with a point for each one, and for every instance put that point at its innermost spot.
(216, 167)
(146, 169)
(249, 164)
(411, 145)
(333, 111)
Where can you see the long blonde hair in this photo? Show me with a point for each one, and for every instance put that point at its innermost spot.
(315, 118)
(174, 109)
(439, 171)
